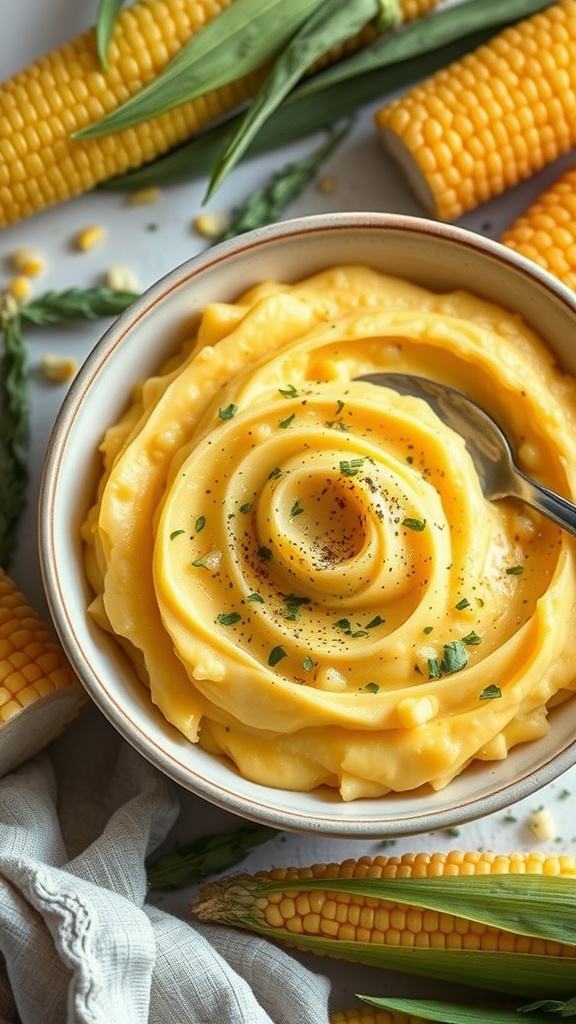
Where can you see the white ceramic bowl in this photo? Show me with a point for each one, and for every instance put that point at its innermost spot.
(434, 255)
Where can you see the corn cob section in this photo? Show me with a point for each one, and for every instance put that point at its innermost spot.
(39, 693)
(332, 911)
(366, 1015)
(546, 232)
(66, 90)
(491, 119)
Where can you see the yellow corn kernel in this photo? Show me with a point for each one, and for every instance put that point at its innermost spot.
(144, 196)
(321, 919)
(491, 119)
(59, 368)
(89, 237)
(67, 90)
(120, 278)
(27, 261)
(542, 824)
(211, 225)
(546, 232)
(20, 288)
(36, 681)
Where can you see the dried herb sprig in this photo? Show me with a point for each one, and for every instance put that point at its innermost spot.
(207, 856)
(48, 309)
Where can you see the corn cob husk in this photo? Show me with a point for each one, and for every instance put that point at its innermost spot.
(546, 232)
(39, 693)
(67, 90)
(502, 921)
(491, 119)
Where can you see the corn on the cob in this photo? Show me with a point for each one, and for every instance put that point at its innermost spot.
(315, 908)
(492, 118)
(366, 1015)
(546, 232)
(66, 90)
(39, 693)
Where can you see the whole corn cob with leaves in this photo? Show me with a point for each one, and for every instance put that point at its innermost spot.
(503, 921)
(39, 693)
(492, 118)
(546, 232)
(67, 90)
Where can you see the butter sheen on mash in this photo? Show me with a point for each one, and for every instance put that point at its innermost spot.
(303, 567)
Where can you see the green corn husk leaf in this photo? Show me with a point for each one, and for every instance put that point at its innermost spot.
(416, 51)
(105, 21)
(452, 1013)
(330, 24)
(541, 906)
(14, 433)
(243, 37)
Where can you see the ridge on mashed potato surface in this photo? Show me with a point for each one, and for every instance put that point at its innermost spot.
(303, 567)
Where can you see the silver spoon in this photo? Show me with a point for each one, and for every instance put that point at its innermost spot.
(489, 448)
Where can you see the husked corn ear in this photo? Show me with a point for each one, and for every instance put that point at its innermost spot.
(546, 232)
(351, 918)
(39, 693)
(67, 90)
(492, 118)
(366, 1015)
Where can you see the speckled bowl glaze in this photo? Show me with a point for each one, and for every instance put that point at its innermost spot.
(437, 256)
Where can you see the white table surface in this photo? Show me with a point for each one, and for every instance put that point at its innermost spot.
(365, 180)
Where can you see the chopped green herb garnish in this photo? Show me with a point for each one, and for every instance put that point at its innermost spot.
(376, 621)
(427, 629)
(434, 670)
(515, 570)
(344, 624)
(245, 507)
(293, 604)
(255, 598)
(228, 618)
(286, 423)
(464, 603)
(563, 794)
(276, 655)
(228, 412)
(490, 692)
(308, 664)
(200, 523)
(265, 554)
(409, 459)
(472, 639)
(372, 687)
(296, 509)
(414, 524)
(199, 563)
(455, 657)
(176, 533)
(289, 392)
(351, 467)
(452, 832)
(275, 473)
(339, 406)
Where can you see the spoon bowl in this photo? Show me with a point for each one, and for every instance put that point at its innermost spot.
(486, 442)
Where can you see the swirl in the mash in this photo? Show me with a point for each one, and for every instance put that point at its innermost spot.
(304, 566)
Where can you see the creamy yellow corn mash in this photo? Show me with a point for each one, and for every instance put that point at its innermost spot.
(303, 567)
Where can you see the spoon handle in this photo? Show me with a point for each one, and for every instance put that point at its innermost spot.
(553, 505)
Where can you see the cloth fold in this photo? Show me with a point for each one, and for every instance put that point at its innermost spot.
(80, 944)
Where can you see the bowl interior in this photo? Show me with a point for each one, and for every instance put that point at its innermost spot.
(435, 256)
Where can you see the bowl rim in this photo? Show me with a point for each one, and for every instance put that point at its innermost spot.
(160, 291)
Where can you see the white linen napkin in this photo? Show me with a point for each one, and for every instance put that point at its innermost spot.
(79, 942)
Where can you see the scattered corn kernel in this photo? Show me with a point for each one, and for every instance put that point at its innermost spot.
(120, 278)
(59, 368)
(20, 288)
(211, 225)
(144, 196)
(326, 184)
(89, 237)
(542, 824)
(27, 261)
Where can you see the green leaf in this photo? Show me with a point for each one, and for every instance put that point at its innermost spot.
(266, 205)
(206, 856)
(542, 906)
(399, 59)
(105, 21)
(331, 23)
(450, 1013)
(240, 39)
(14, 434)
(75, 304)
